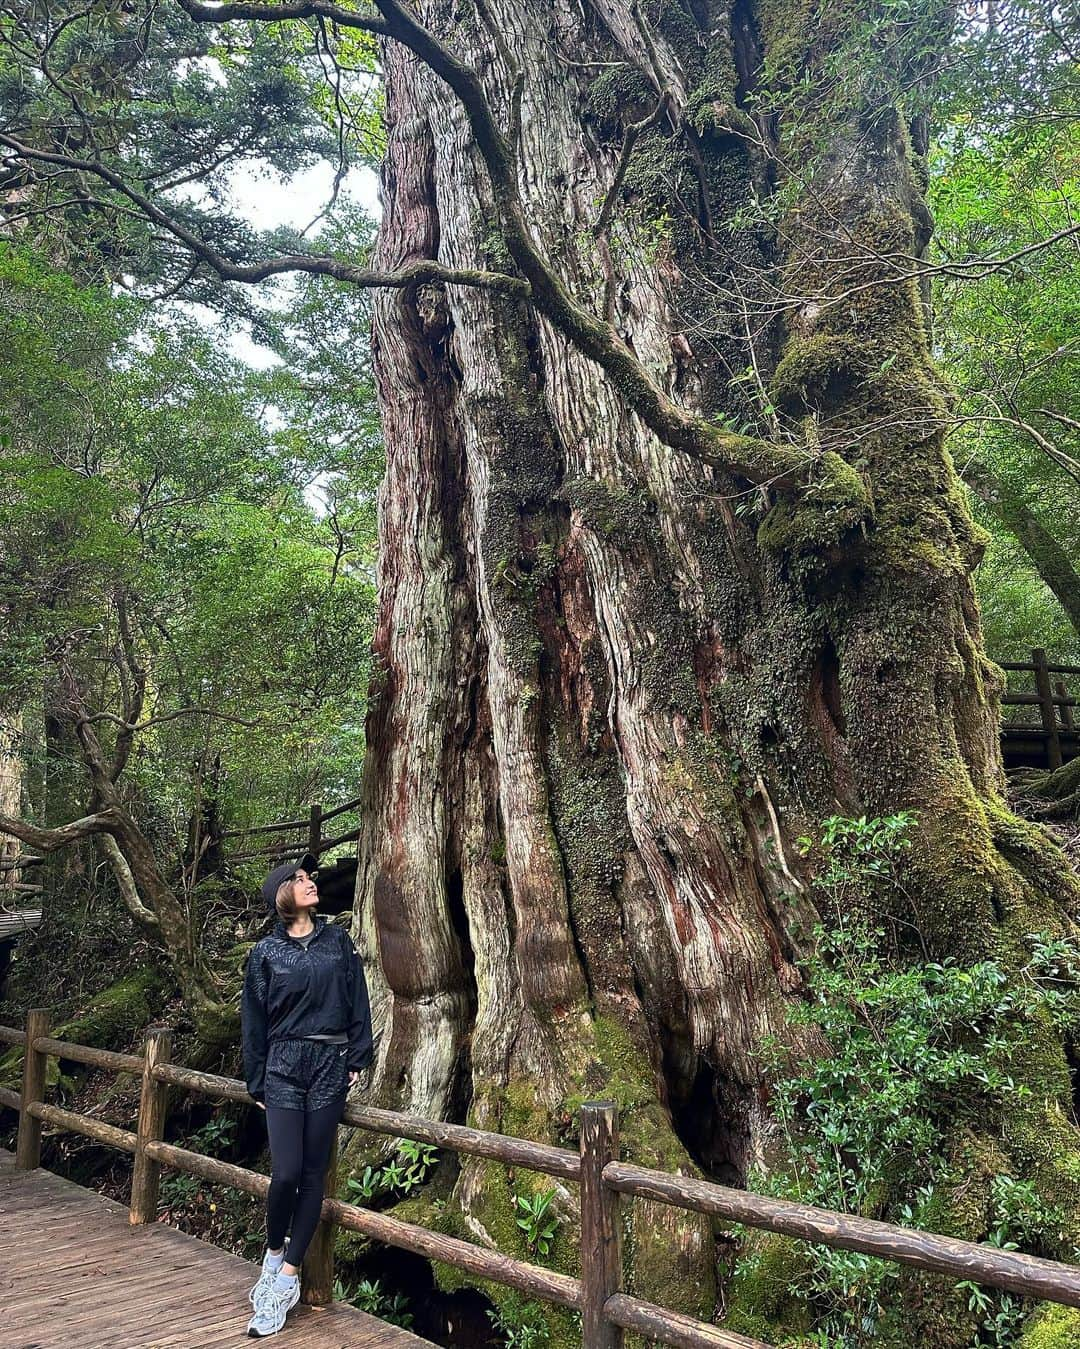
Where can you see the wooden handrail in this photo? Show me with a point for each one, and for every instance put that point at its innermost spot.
(1020, 667)
(88, 1054)
(340, 810)
(606, 1310)
(293, 826)
(1051, 699)
(1025, 1274)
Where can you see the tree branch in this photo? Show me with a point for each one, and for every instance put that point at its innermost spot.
(129, 891)
(301, 9)
(630, 138)
(422, 272)
(751, 459)
(133, 704)
(51, 840)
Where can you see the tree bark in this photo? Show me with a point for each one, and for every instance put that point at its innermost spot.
(11, 784)
(610, 690)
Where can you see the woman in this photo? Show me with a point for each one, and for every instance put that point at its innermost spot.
(307, 1035)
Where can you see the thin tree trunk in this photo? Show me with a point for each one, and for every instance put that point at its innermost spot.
(611, 691)
(1051, 561)
(11, 783)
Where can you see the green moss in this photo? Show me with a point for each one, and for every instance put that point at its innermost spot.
(814, 372)
(786, 28)
(1052, 1327)
(823, 516)
(619, 94)
(114, 1016)
(759, 1297)
(111, 1020)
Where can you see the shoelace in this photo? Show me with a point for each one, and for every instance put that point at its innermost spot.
(269, 1294)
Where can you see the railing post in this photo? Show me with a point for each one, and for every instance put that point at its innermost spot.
(153, 1101)
(601, 1226)
(1046, 706)
(314, 845)
(317, 1273)
(28, 1147)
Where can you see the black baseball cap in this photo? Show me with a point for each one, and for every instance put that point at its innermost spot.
(282, 873)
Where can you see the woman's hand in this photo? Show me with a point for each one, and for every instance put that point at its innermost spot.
(354, 1077)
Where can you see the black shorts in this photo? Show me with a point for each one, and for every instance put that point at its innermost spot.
(306, 1074)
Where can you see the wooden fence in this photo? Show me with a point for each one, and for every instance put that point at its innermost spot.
(1054, 738)
(605, 1181)
(306, 834)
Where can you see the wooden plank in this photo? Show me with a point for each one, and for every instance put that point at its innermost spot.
(12, 1035)
(988, 1265)
(85, 1277)
(15, 924)
(123, 1139)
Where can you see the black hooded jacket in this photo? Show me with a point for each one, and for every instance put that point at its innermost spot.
(291, 992)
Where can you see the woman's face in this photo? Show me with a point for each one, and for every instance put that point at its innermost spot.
(305, 894)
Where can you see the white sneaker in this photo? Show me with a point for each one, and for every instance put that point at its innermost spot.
(267, 1277)
(271, 1309)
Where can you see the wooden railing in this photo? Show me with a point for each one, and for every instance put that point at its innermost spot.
(1056, 729)
(306, 834)
(606, 1310)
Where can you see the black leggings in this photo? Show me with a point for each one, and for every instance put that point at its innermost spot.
(300, 1143)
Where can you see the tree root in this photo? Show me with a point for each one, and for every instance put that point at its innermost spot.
(1055, 793)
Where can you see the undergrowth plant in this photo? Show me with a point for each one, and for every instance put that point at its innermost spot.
(370, 1297)
(537, 1218)
(914, 1054)
(405, 1172)
(520, 1323)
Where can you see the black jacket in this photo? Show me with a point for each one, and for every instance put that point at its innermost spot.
(291, 992)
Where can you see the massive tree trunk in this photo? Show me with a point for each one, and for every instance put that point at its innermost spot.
(612, 686)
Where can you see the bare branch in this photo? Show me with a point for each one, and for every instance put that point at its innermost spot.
(302, 9)
(630, 139)
(129, 891)
(1059, 417)
(51, 840)
(422, 272)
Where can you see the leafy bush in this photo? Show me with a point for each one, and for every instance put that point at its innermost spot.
(911, 1056)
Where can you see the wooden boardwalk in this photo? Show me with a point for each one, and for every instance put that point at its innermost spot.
(75, 1274)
